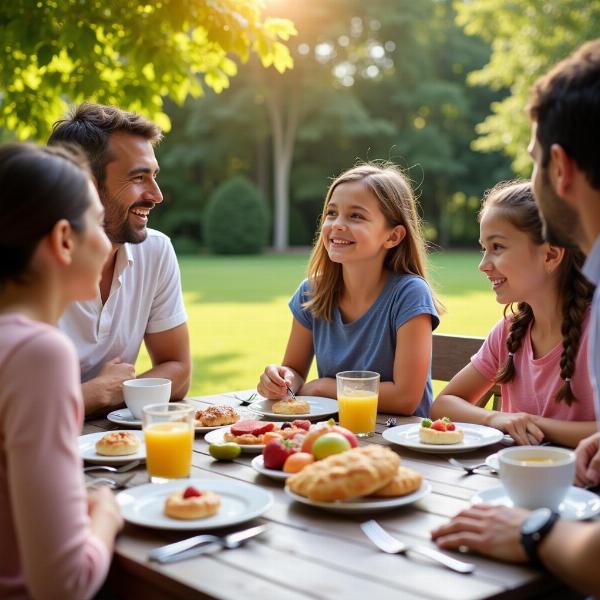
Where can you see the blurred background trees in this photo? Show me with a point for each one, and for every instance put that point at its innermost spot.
(436, 86)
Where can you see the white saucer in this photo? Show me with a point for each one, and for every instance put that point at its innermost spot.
(87, 449)
(123, 417)
(258, 464)
(579, 503)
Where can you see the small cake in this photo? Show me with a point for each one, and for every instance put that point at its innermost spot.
(191, 503)
(216, 416)
(118, 443)
(291, 407)
(442, 431)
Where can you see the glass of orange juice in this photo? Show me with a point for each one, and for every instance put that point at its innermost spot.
(357, 395)
(169, 437)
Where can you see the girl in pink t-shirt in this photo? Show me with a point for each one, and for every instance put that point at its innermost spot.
(538, 351)
(56, 540)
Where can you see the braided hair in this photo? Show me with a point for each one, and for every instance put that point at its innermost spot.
(516, 200)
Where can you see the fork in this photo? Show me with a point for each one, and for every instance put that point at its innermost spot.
(247, 400)
(127, 467)
(384, 541)
(470, 469)
(111, 483)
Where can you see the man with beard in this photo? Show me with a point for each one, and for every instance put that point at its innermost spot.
(565, 111)
(139, 296)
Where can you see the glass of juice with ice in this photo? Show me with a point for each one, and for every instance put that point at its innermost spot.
(357, 395)
(169, 437)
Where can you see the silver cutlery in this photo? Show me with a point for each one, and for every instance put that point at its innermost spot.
(391, 422)
(123, 469)
(200, 544)
(289, 390)
(384, 541)
(247, 400)
(470, 469)
(113, 484)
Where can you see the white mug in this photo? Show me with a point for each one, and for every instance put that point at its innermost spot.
(537, 476)
(144, 391)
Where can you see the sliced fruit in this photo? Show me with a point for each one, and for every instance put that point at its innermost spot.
(438, 425)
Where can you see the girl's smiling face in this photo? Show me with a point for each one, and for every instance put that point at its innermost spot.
(518, 269)
(354, 228)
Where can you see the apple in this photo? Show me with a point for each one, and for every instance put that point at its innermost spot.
(330, 443)
(351, 437)
(276, 452)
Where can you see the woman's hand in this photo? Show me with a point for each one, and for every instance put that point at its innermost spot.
(521, 427)
(105, 517)
(272, 383)
(324, 387)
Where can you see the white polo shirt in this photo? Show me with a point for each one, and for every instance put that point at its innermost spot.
(145, 297)
(591, 269)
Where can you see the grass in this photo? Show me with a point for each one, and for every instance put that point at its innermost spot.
(239, 319)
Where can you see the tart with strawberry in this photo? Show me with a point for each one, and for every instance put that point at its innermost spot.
(191, 503)
(440, 431)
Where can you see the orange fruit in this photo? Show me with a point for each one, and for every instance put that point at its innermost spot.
(297, 461)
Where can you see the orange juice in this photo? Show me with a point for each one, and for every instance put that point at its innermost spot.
(358, 413)
(169, 449)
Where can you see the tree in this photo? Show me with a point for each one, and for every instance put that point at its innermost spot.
(527, 37)
(125, 52)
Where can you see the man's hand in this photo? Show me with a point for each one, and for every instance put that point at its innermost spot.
(490, 530)
(106, 389)
(587, 461)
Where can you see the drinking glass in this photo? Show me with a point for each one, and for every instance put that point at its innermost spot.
(357, 394)
(169, 437)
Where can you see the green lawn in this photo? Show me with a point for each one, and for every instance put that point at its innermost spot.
(239, 320)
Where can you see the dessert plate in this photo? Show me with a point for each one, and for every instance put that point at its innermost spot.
(123, 417)
(364, 505)
(579, 503)
(476, 436)
(319, 408)
(87, 449)
(144, 505)
(258, 464)
(217, 437)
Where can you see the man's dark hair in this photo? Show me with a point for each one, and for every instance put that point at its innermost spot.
(90, 125)
(565, 103)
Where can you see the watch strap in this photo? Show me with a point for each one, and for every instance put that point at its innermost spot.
(530, 541)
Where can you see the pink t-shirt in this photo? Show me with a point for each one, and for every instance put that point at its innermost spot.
(46, 547)
(537, 380)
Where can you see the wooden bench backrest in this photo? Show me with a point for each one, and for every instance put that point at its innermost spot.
(451, 353)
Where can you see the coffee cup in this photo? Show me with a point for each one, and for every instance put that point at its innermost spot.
(537, 476)
(138, 393)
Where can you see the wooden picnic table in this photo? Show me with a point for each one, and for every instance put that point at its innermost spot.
(311, 553)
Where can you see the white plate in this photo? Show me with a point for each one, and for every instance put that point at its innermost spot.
(364, 505)
(579, 503)
(476, 436)
(240, 502)
(87, 449)
(217, 437)
(258, 464)
(319, 408)
(123, 417)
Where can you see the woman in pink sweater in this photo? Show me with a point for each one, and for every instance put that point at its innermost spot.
(56, 540)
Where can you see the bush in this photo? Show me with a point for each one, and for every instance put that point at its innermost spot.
(236, 218)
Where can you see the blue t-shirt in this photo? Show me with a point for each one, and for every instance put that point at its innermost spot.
(369, 342)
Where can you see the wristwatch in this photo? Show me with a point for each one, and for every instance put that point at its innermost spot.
(534, 529)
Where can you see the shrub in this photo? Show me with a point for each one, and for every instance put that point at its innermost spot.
(236, 218)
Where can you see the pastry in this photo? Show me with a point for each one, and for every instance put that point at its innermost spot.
(215, 416)
(357, 472)
(291, 407)
(191, 503)
(441, 431)
(118, 443)
(405, 481)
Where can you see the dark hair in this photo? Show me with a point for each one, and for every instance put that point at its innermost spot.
(565, 103)
(38, 187)
(515, 200)
(90, 125)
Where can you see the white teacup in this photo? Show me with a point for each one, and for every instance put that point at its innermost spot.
(144, 391)
(537, 477)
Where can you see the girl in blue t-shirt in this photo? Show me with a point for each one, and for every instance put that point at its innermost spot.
(366, 304)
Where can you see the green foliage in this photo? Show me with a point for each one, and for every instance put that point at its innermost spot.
(236, 218)
(527, 37)
(125, 52)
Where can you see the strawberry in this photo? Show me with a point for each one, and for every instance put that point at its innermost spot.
(276, 452)
(438, 425)
(191, 492)
(450, 426)
(301, 424)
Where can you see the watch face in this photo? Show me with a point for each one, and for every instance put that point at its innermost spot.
(536, 520)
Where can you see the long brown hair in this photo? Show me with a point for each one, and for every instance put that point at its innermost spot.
(515, 200)
(396, 201)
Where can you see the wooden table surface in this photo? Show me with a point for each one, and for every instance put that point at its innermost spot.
(310, 553)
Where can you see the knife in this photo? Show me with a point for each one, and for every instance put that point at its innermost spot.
(200, 544)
